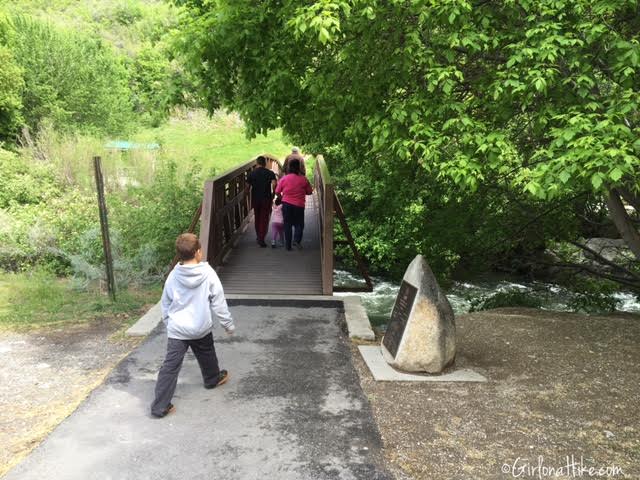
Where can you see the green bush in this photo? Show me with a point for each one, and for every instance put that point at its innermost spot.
(144, 222)
(23, 183)
(29, 195)
(593, 296)
(127, 13)
(46, 233)
(42, 223)
(151, 217)
(509, 298)
(88, 263)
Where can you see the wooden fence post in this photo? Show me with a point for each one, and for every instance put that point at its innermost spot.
(104, 226)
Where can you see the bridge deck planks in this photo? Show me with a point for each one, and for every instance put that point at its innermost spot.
(249, 269)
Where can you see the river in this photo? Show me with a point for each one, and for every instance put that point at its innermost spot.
(460, 294)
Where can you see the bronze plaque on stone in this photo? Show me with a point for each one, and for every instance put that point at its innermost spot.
(399, 317)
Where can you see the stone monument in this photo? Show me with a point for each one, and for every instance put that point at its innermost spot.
(421, 334)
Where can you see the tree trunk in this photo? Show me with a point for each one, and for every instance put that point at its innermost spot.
(623, 223)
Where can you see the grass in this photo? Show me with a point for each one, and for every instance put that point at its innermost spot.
(38, 299)
(188, 138)
(35, 299)
(218, 143)
(309, 165)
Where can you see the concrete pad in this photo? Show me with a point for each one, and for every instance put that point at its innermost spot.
(382, 371)
(146, 323)
(356, 316)
(357, 319)
(150, 320)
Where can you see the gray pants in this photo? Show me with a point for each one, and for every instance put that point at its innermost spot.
(205, 353)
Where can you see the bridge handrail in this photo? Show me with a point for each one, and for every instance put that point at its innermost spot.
(226, 209)
(325, 196)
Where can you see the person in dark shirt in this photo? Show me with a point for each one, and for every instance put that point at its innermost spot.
(261, 183)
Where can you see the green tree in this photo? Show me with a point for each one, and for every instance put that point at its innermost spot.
(70, 78)
(537, 100)
(151, 83)
(11, 87)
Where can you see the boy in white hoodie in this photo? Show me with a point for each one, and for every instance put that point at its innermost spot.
(192, 296)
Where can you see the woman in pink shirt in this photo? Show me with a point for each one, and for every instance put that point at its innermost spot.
(293, 188)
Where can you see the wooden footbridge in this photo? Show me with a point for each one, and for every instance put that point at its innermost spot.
(229, 242)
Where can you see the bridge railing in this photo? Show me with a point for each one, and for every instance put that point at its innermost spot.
(325, 197)
(329, 208)
(226, 209)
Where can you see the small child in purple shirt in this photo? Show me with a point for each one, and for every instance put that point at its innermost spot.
(277, 225)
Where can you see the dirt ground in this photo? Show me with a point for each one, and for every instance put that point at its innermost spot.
(559, 385)
(45, 375)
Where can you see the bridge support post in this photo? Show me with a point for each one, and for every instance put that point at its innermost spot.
(324, 194)
(327, 244)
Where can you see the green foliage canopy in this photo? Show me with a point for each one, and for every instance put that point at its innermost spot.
(466, 89)
(449, 99)
(70, 78)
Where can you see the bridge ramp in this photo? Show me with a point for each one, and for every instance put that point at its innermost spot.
(249, 269)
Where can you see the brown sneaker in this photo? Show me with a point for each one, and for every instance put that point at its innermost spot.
(170, 409)
(223, 376)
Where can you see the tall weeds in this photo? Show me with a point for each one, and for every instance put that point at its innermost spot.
(71, 155)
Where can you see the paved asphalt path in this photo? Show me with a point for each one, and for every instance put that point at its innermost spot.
(293, 409)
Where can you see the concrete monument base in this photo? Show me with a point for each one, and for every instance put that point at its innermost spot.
(383, 372)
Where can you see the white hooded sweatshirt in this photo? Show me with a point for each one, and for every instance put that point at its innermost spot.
(192, 296)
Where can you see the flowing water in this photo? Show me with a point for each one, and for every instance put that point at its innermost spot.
(460, 294)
